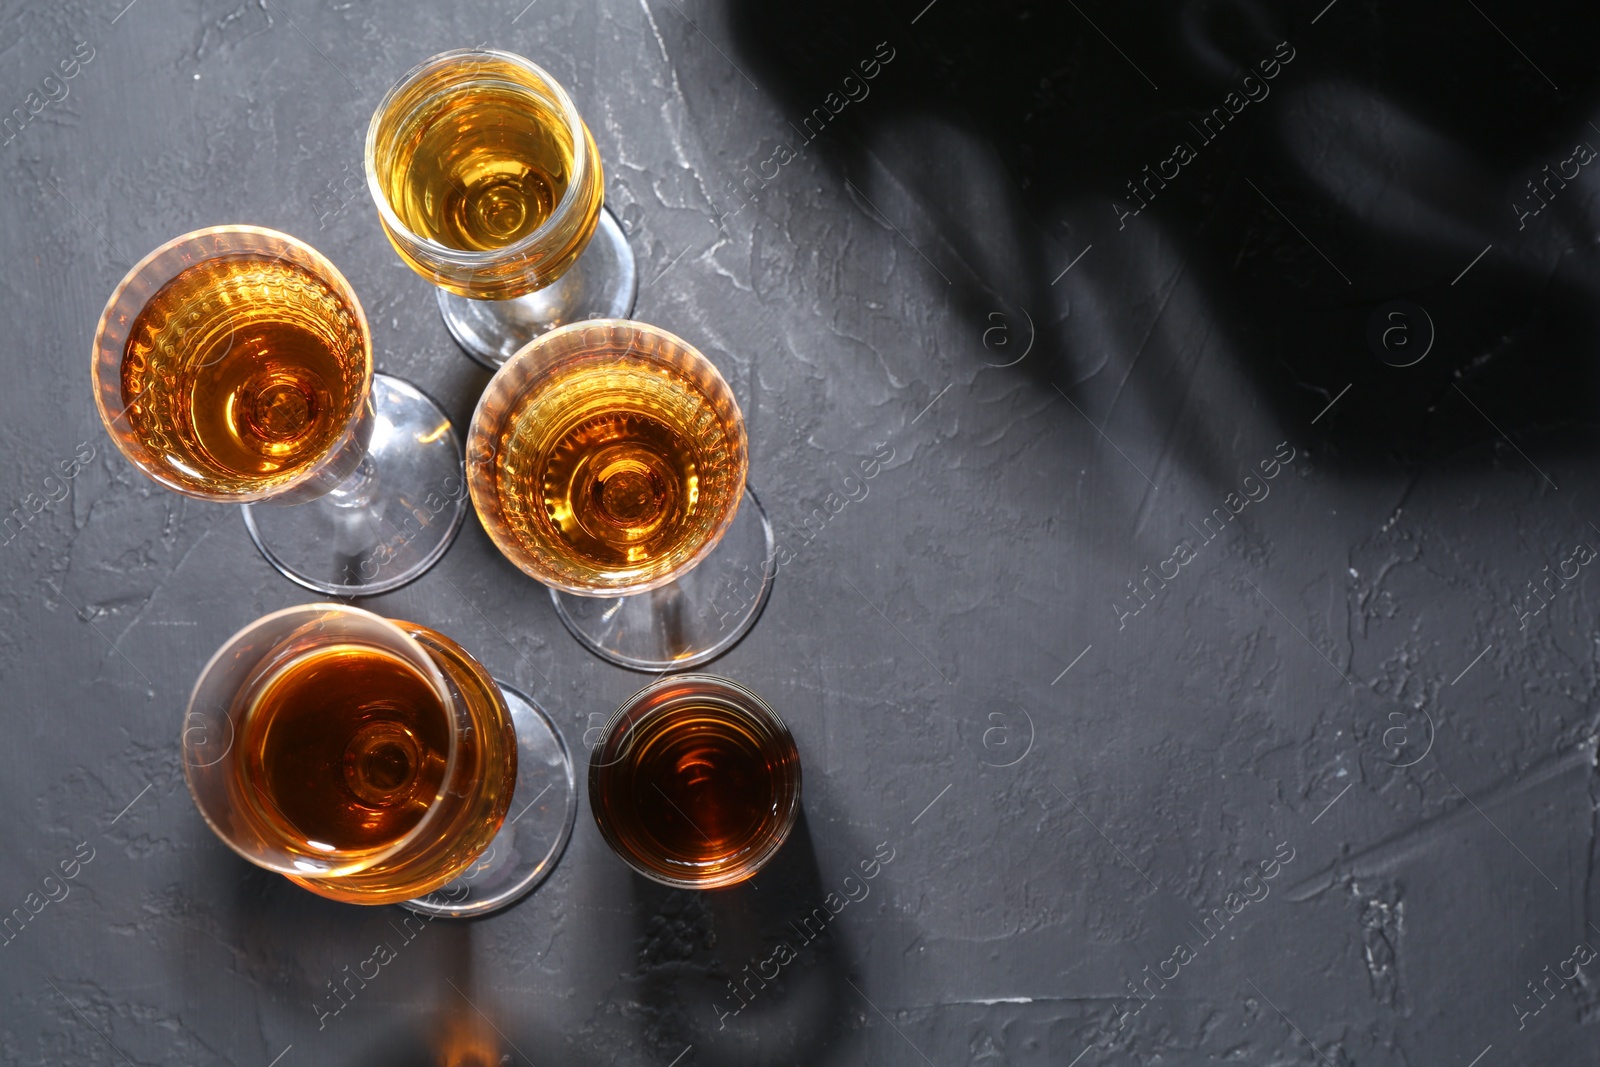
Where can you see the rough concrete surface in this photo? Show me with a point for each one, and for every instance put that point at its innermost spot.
(1087, 725)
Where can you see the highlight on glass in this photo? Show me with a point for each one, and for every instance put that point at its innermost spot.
(374, 761)
(234, 364)
(696, 783)
(490, 186)
(607, 460)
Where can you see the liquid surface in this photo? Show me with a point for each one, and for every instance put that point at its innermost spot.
(345, 748)
(617, 469)
(695, 790)
(241, 372)
(479, 166)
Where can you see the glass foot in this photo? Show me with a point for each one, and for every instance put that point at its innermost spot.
(536, 830)
(388, 522)
(602, 284)
(695, 618)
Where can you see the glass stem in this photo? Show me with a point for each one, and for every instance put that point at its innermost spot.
(357, 490)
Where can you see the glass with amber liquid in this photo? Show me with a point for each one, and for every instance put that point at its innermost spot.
(607, 460)
(489, 185)
(234, 364)
(696, 783)
(374, 761)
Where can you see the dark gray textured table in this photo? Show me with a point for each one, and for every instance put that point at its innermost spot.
(1198, 668)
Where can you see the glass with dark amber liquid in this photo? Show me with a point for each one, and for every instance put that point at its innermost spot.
(697, 782)
(234, 364)
(369, 760)
(607, 460)
(489, 185)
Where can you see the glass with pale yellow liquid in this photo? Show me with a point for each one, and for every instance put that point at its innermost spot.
(489, 185)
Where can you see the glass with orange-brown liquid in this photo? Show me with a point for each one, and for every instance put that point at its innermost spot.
(374, 761)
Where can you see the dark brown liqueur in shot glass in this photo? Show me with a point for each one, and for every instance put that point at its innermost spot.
(697, 782)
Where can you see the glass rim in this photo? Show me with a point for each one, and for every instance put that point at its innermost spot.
(478, 431)
(435, 677)
(109, 419)
(749, 704)
(487, 257)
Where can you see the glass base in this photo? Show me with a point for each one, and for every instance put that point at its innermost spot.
(602, 284)
(694, 619)
(537, 827)
(390, 521)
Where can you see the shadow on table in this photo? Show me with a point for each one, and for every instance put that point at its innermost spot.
(710, 973)
(749, 975)
(320, 958)
(300, 946)
(1348, 163)
(468, 1026)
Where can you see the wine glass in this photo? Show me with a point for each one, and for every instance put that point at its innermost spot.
(489, 185)
(374, 761)
(607, 459)
(234, 364)
(696, 783)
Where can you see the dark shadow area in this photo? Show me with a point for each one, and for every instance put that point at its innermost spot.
(711, 971)
(470, 1025)
(316, 958)
(343, 966)
(1338, 158)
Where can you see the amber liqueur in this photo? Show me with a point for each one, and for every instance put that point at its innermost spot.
(618, 466)
(242, 371)
(695, 788)
(346, 748)
(481, 167)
